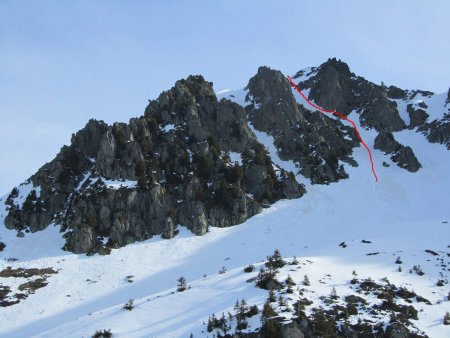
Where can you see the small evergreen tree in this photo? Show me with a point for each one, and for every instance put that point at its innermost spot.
(268, 319)
(333, 294)
(249, 268)
(223, 323)
(290, 283)
(241, 320)
(129, 305)
(272, 297)
(447, 319)
(281, 301)
(306, 281)
(278, 259)
(181, 286)
(102, 334)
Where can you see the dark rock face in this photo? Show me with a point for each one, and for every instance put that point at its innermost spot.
(333, 86)
(315, 142)
(394, 92)
(438, 131)
(417, 117)
(127, 182)
(403, 156)
(130, 181)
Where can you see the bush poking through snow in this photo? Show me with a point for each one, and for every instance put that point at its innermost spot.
(249, 268)
(224, 323)
(440, 282)
(129, 305)
(275, 261)
(447, 319)
(102, 334)
(223, 270)
(181, 286)
(418, 270)
(306, 281)
(266, 279)
(398, 260)
(271, 298)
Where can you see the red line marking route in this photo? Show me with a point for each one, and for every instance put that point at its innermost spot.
(339, 115)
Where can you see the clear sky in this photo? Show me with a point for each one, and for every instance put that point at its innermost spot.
(64, 62)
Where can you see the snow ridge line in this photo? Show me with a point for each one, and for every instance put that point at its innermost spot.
(335, 112)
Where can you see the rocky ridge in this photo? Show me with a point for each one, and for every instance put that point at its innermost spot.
(128, 182)
(194, 160)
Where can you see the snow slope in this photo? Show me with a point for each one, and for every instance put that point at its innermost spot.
(401, 215)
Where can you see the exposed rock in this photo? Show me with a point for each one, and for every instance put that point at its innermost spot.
(2, 246)
(438, 131)
(386, 142)
(396, 93)
(291, 330)
(402, 155)
(169, 229)
(406, 159)
(397, 330)
(417, 117)
(128, 182)
(333, 86)
(313, 141)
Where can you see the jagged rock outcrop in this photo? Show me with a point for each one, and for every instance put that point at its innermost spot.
(417, 116)
(128, 182)
(438, 131)
(313, 141)
(402, 155)
(192, 160)
(333, 86)
(423, 118)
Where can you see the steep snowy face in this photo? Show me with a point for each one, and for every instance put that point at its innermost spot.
(426, 112)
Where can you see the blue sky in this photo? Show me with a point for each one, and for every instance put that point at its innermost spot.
(64, 62)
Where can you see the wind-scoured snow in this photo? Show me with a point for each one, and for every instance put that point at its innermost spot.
(168, 127)
(24, 190)
(235, 157)
(435, 105)
(117, 184)
(305, 74)
(301, 100)
(237, 96)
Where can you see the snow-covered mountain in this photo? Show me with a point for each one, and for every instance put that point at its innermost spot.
(377, 255)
